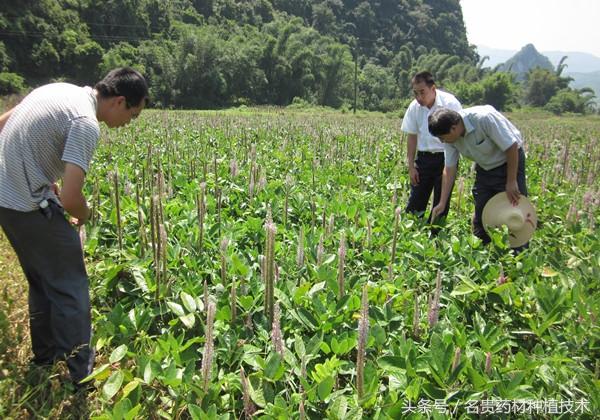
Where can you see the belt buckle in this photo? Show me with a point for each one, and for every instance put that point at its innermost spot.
(45, 209)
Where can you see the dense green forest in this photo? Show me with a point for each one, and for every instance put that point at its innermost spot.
(221, 53)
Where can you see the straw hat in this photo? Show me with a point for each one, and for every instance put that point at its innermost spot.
(521, 219)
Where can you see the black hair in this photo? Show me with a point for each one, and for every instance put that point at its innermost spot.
(441, 121)
(423, 76)
(124, 81)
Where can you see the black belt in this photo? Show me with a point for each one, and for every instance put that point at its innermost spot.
(424, 152)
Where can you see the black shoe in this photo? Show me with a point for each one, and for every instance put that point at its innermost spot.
(83, 388)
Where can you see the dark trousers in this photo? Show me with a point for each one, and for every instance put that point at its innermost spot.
(488, 184)
(430, 167)
(51, 257)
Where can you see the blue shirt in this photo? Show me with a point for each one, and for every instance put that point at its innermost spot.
(488, 135)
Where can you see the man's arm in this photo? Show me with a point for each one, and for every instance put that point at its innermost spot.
(512, 165)
(411, 152)
(71, 194)
(4, 117)
(448, 178)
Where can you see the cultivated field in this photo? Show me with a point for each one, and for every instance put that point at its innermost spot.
(259, 262)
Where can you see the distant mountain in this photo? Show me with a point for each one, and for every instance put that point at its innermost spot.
(577, 62)
(584, 68)
(526, 59)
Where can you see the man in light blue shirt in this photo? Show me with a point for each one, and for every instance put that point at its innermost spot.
(484, 135)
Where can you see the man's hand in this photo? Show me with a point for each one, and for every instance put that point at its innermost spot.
(414, 176)
(4, 118)
(437, 210)
(78, 222)
(71, 196)
(55, 189)
(513, 193)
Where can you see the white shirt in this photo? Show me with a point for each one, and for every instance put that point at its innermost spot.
(488, 134)
(415, 120)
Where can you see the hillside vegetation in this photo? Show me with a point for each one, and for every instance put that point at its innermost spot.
(222, 53)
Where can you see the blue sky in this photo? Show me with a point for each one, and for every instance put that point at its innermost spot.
(550, 25)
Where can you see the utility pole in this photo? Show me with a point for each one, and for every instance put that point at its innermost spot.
(355, 73)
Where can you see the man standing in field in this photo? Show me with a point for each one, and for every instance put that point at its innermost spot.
(484, 135)
(425, 152)
(52, 135)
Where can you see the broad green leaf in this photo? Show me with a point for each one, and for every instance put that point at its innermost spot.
(338, 408)
(140, 280)
(355, 413)
(461, 289)
(130, 387)
(299, 346)
(246, 302)
(172, 376)
(196, 412)
(307, 318)
(354, 303)
(148, 373)
(433, 392)
(379, 334)
(274, 370)
(515, 381)
(392, 363)
(413, 390)
(121, 408)
(239, 266)
(257, 396)
(188, 301)
(188, 320)
(113, 384)
(478, 381)
(325, 387)
(316, 287)
(176, 308)
(100, 373)
(314, 344)
(118, 353)
(549, 272)
(335, 346)
(131, 414)
(329, 259)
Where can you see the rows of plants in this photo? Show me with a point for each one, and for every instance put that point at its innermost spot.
(261, 265)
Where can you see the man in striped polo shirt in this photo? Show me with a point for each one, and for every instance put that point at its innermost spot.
(52, 135)
(425, 153)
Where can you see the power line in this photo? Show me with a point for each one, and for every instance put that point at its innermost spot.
(124, 25)
(25, 34)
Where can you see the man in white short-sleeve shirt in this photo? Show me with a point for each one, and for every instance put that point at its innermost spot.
(484, 135)
(52, 135)
(425, 152)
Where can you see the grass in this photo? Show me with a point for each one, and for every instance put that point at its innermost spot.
(28, 392)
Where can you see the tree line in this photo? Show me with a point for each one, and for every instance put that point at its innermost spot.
(222, 53)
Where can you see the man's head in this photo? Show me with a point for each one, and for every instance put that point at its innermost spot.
(423, 87)
(446, 124)
(123, 94)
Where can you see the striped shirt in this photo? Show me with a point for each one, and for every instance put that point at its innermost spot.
(53, 125)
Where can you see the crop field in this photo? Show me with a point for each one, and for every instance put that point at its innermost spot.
(261, 264)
